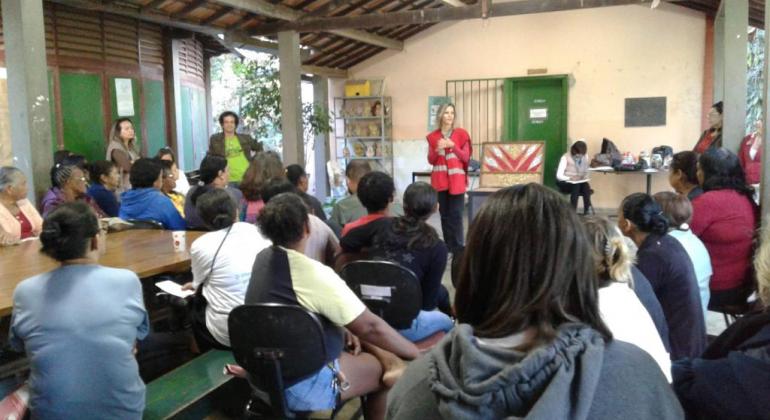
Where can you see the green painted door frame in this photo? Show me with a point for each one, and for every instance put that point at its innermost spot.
(523, 94)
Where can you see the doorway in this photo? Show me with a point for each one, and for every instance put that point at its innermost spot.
(535, 108)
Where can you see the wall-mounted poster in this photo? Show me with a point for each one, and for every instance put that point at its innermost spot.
(511, 163)
(124, 96)
(434, 103)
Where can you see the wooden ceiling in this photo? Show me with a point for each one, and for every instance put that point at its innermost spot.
(337, 34)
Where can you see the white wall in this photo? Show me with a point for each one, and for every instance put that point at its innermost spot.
(611, 53)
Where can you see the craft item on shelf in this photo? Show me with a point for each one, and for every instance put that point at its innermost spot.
(374, 130)
(377, 109)
(377, 149)
(359, 110)
(358, 150)
(370, 151)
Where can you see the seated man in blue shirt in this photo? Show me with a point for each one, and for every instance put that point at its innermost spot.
(144, 201)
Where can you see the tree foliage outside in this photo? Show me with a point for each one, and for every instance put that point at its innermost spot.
(254, 91)
(755, 62)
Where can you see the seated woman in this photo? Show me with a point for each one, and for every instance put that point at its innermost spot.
(144, 201)
(665, 263)
(731, 378)
(18, 218)
(678, 210)
(531, 341)
(322, 244)
(412, 243)
(105, 181)
(182, 184)
(222, 260)
(264, 167)
(572, 176)
(79, 324)
(621, 310)
(683, 175)
(69, 184)
(296, 175)
(282, 274)
(168, 186)
(725, 219)
(214, 173)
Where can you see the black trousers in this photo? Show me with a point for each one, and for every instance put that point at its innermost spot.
(450, 207)
(575, 191)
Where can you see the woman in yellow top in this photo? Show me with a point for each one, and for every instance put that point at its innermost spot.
(238, 148)
(169, 185)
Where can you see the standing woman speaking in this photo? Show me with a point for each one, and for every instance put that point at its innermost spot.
(449, 150)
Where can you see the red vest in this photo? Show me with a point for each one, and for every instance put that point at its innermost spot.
(449, 164)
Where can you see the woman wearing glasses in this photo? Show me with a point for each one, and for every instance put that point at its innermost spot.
(712, 137)
(68, 184)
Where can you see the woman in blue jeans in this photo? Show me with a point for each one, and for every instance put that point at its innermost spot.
(412, 243)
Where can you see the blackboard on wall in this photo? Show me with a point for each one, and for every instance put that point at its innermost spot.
(646, 112)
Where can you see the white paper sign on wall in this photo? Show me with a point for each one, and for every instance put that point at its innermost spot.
(124, 96)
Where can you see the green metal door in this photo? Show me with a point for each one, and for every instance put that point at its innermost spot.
(535, 108)
(155, 115)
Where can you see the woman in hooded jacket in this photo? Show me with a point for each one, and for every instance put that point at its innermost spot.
(530, 341)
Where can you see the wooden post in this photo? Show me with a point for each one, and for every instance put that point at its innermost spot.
(29, 113)
(321, 152)
(735, 35)
(291, 101)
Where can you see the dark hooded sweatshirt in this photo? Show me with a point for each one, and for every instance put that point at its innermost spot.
(576, 376)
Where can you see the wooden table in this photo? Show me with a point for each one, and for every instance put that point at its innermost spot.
(648, 172)
(145, 252)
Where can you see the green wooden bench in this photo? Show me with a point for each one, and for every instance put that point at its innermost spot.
(179, 389)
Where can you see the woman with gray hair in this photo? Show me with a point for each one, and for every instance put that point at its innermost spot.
(18, 218)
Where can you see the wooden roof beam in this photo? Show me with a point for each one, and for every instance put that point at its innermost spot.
(277, 11)
(189, 9)
(444, 14)
(215, 16)
(330, 72)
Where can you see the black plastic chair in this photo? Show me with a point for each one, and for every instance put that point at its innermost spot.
(145, 224)
(388, 289)
(276, 344)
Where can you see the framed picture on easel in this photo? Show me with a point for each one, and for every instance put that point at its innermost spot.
(510, 163)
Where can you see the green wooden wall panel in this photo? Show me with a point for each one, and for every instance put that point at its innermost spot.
(136, 118)
(155, 115)
(82, 114)
(199, 125)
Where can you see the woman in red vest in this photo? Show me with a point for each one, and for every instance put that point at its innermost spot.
(449, 150)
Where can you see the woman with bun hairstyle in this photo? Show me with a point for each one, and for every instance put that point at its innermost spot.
(621, 309)
(221, 264)
(79, 325)
(678, 210)
(665, 263)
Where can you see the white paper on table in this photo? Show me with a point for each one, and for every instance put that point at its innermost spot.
(602, 168)
(174, 289)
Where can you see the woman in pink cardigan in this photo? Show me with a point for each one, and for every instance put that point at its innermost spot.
(18, 218)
